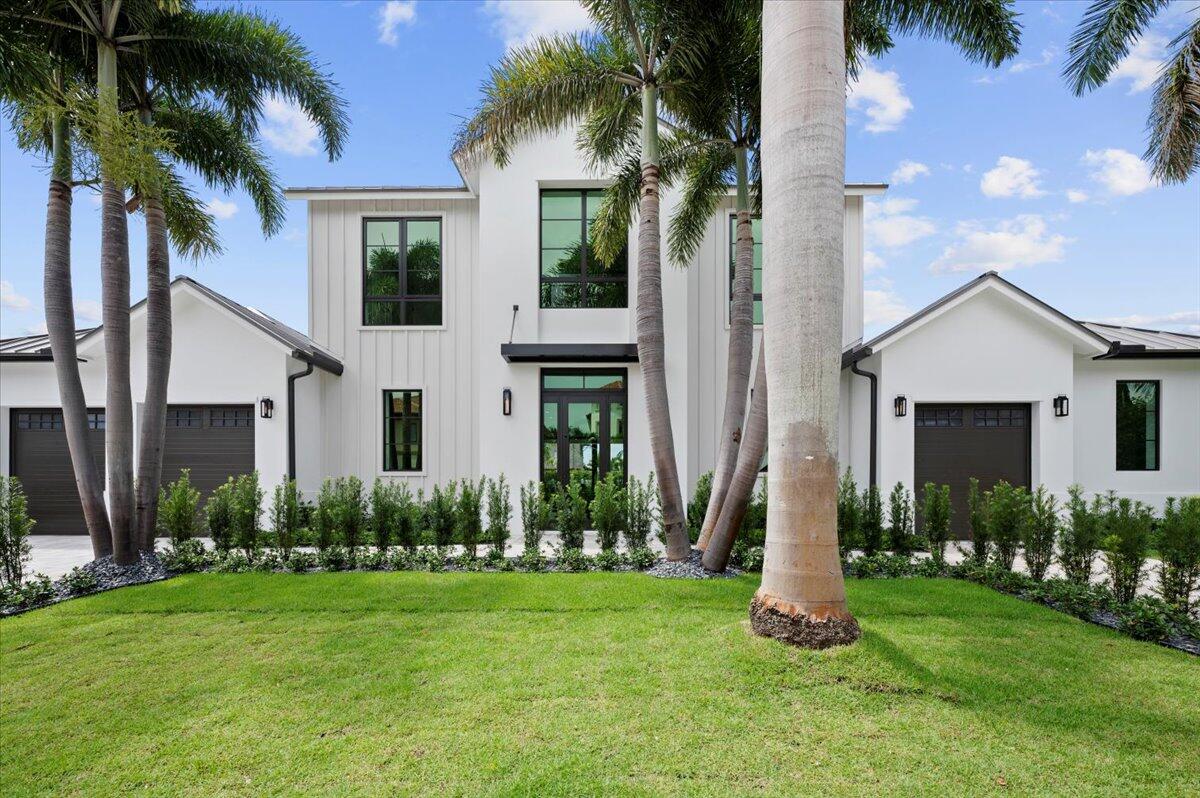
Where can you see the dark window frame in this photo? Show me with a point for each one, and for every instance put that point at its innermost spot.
(408, 419)
(403, 298)
(582, 279)
(758, 296)
(610, 394)
(1157, 441)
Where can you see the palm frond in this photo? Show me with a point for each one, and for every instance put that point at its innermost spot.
(1174, 147)
(1103, 37)
(610, 131)
(192, 229)
(983, 30)
(705, 183)
(610, 229)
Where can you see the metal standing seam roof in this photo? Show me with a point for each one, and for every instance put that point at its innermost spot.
(1155, 340)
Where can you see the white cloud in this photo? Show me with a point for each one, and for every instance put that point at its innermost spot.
(1011, 177)
(392, 15)
(1141, 66)
(1187, 321)
(882, 306)
(88, 310)
(908, 171)
(1120, 172)
(9, 297)
(220, 208)
(881, 95)
(519, 22)
(1014, 243)
(1076, 195)
(294, 234)
(1048, 56)
(289, 128)
(889, 223)
(968, 168)
(872, 262)
(37, 329)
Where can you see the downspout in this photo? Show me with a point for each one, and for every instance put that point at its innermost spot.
(291, 411)
(854, 369)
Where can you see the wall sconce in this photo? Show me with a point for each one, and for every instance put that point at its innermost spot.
(1062, 406)
(266, 407)
(901, 405)
(506, 401)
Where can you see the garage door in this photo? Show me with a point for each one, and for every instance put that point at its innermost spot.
(955, 442)
(40, 458)
(214, 441)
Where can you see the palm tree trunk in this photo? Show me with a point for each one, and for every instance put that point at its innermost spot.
(114, 288)
(741, 482)
(741, 352)
(802, 599)
(60, 325)
(651, 339)
(158, 370)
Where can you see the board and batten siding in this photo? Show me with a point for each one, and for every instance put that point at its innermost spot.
(442, 362)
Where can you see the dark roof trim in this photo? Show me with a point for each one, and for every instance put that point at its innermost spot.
(6, 357)
(320, 360)
(1140, 352)
(569, 353)
(852, 356)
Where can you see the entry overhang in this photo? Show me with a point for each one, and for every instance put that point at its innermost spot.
(569, 353)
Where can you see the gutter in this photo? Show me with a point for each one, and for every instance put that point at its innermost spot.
(30, 357)
(856, 356)
(1119, 351)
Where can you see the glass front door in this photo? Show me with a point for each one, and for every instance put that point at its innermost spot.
(583, 428)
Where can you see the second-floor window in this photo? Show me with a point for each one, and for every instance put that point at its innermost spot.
(571, 275)
(756, 227)
(402, 272)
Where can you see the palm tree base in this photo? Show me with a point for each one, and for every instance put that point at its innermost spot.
(770, 617)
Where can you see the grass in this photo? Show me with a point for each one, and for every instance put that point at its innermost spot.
(613, 684)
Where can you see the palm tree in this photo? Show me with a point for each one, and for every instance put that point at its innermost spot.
(1108, 29)
(613, 83)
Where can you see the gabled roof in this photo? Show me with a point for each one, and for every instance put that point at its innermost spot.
(1087, 341)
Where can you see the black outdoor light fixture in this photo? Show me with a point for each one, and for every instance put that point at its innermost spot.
(901, 405)
(266, 407)
(1062, 406)
(506, 401)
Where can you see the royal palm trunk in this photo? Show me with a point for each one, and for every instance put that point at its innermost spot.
(158, 369)
(802, 599)
(60, 325)
(741, 349)
(650, 337)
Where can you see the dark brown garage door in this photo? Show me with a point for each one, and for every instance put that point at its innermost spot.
(956, 442)
(40, 458)
(214, 441)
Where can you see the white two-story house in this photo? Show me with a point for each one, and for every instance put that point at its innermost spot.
(463, 331)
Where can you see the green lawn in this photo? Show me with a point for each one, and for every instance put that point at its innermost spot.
(601, 684)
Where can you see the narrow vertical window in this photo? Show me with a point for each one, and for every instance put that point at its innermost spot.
(1137, 425)
(756, 229)
(402, 430)
(402, 272)
(571, 274)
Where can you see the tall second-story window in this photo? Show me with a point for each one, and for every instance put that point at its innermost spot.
(756, 228)
(402, 272)
(572, 276)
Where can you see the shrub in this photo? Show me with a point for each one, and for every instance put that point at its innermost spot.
(573, 560)
(499, 514)
(375, 560)
(232, 562)
(1079, 538)
(1179, 545)
(247, 510)
(440, 515)
(531, 560)
(267, 562)
(10, 597)
(607, 560)
(469, 562)
(186, 556)
(871, 521)
(385, 513)
(1146, 618)
(301, 561)
(881, 566)
(849, 514)
(1039, 532)
(37, 590)
(571, 513)
(325, 516)
(218, 512)
(285, 516)
(1008, 511)
(751, 558)
(535, 515)
(936, 512)
(410, 514)
(977, 509)
(15, 526)
(400, 559)
(928, 568)
(351, 514)
(333, 558)
(1127, 527)
(641, 506)
(641, 558)
(698, 506)
(429, 559)
(78, 582)
(179, 509)
(467, 515)
(1082, 601)
(900, 520)
(609, 511)
(754, 525)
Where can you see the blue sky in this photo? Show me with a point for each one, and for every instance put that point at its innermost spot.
(989, 168)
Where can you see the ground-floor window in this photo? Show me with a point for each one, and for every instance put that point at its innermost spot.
(402, 430)
(1137, 425)
(583, 435)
